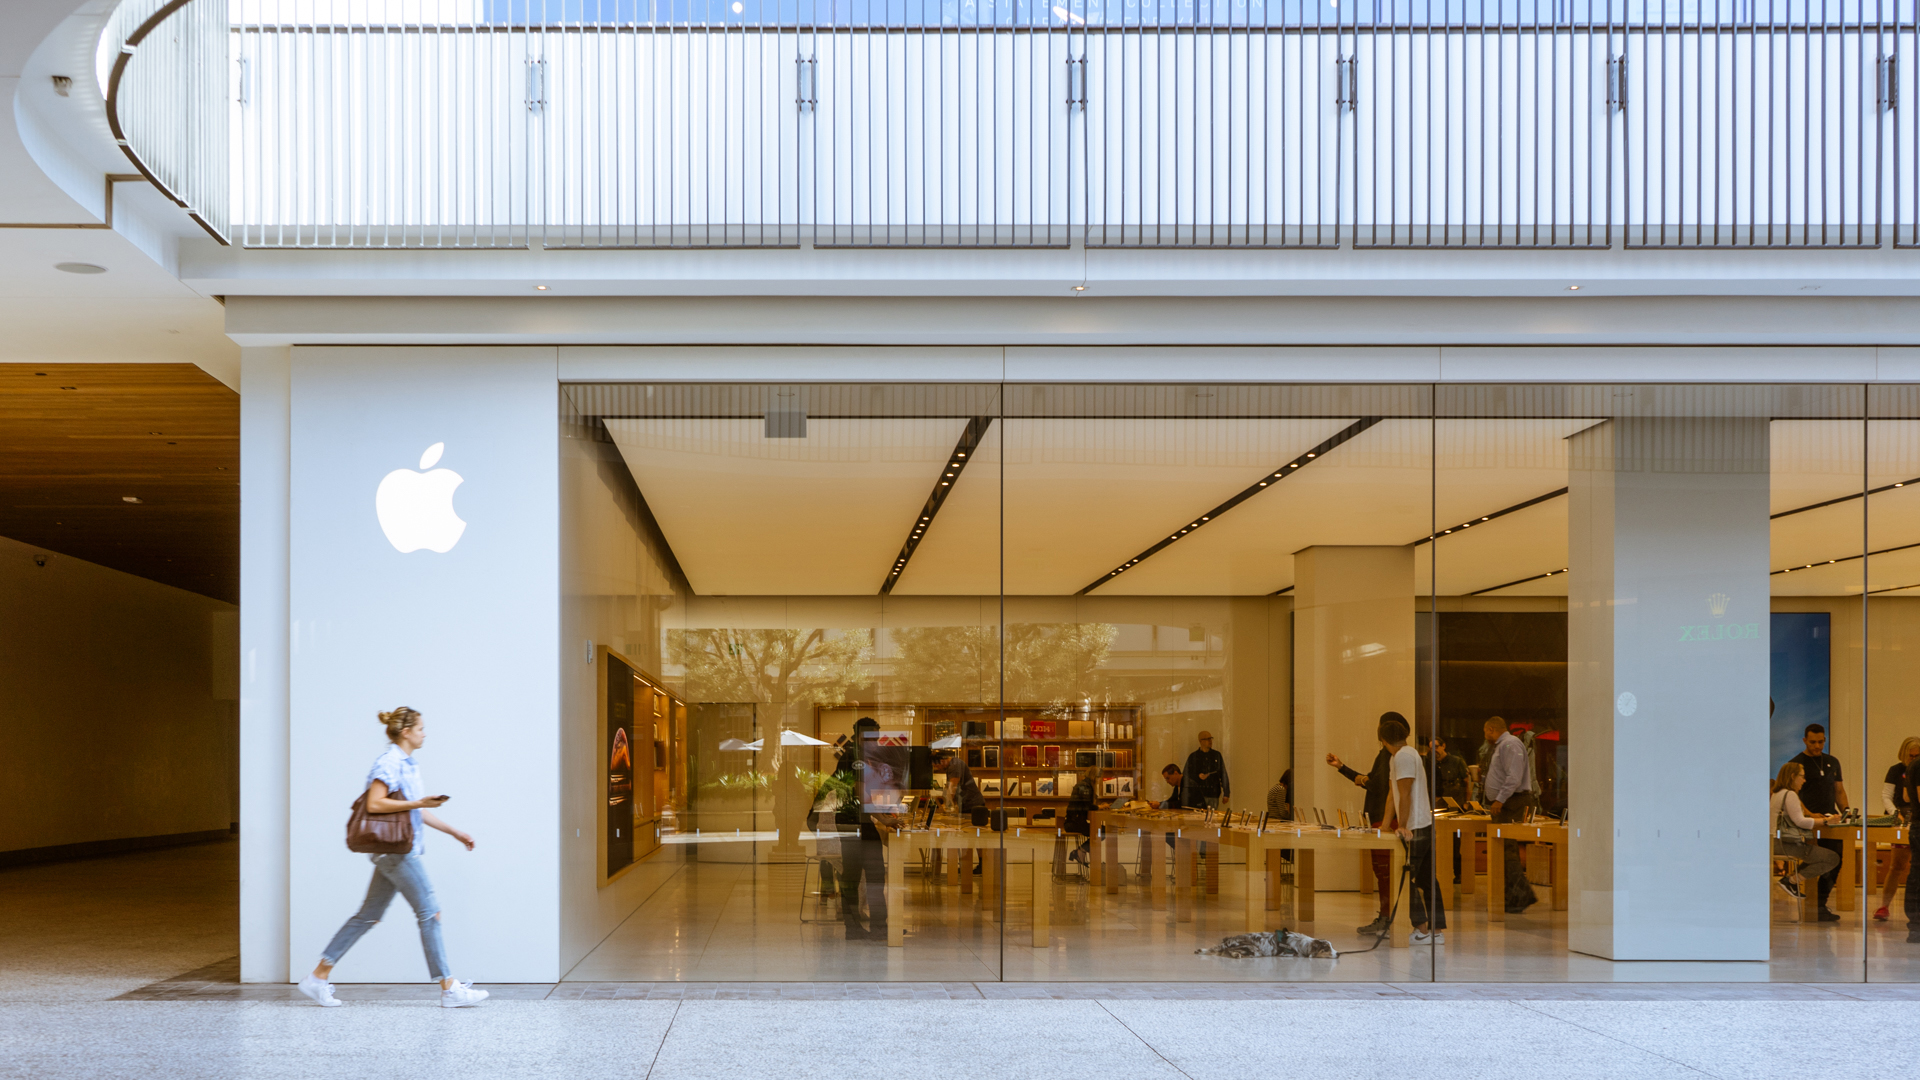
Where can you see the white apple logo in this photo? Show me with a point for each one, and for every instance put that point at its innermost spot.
(416, 508)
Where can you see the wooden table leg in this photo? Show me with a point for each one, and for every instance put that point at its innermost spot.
(1396, 858)
(1110, 850)
(1212, 850)
(1256, 899)
(1276, 869)
(1096, 866)
(1847, 890)
(992, 881)
(1303, 887)
(964, 870)
(897, 859)
(1367, 883)
(1182, 879)
(1153, 857)
(1469, 841)
(1560, 891)
(1443, 865)
(1496, 875)
(1042, 904)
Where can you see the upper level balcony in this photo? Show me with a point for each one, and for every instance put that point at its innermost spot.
(1516, 124)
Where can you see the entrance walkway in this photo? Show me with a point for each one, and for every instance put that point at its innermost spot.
(125, 966)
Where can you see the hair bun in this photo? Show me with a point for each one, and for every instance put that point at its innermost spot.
(398, 721)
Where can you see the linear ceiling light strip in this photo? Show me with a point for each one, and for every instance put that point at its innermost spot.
(1275, 477)
(1535, 501)
(1522, 581)
(1843, 558)
(1841, 499)
(963, 452)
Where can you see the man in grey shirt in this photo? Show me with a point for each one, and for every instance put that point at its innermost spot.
(1509, 794)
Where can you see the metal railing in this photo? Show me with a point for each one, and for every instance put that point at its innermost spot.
(1533, 123)
(166, 95)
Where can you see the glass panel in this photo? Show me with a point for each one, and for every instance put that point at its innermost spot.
(1612, 579)
(1892, 578)
(1155, 539)
(832, 554)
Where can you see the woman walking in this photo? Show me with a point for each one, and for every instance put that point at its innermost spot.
(393, 785)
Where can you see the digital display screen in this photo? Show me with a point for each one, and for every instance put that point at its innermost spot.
(620, 765)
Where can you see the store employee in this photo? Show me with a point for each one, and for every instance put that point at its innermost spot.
(1207, 775)
(1825, 792)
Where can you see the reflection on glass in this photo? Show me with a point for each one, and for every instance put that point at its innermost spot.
(1083, 682)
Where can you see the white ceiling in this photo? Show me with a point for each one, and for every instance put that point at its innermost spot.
(826, 515)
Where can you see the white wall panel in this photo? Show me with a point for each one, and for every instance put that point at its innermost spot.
(467, 637)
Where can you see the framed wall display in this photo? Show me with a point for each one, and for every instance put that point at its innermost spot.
(642, 762)
(618, 759)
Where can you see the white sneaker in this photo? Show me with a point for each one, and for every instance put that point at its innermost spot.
(1437, 937)
(321, 991)
(461, 996)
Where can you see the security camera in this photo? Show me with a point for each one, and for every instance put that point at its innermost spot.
(39, 560)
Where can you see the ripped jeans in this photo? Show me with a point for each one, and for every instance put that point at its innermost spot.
(407, 875)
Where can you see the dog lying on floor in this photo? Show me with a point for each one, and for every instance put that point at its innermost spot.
(1272, 943)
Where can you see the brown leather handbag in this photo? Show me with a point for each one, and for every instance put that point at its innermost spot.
(379, 834)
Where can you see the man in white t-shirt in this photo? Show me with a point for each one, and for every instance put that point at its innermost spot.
(1412, 820)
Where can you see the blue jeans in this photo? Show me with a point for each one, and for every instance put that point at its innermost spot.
(407, 875)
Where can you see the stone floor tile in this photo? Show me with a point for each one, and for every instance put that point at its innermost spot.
(1312, 1040)
(834, 1040)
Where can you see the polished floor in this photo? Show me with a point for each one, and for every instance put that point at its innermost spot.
(728, 916)
(125, 967)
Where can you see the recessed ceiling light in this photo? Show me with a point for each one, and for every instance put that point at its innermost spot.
(79, 268)
(129, 498)
(1079, 288)
(1573, 288)
(540, 288)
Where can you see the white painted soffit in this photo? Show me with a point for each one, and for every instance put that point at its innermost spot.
(1412, 323)
(1050, 272)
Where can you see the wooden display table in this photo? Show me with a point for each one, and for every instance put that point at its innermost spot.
(1480, 827)
(1262, 863)
(1846, 891)
(998, 852)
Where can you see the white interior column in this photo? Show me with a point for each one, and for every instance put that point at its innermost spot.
(1667, 685)
(1353, 659)
(264, 396)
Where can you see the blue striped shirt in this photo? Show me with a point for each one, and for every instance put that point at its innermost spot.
(402, 777)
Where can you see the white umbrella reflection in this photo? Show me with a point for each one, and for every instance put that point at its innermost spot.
(787, 738)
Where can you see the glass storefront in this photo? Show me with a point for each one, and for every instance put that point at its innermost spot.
(1072, 682)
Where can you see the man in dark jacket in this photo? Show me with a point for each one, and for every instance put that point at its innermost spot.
(862, 857)
(1206, 774)
(1377, 780)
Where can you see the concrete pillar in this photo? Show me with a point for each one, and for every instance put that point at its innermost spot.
(264, 425)
(1353, 650)
(1667, 687)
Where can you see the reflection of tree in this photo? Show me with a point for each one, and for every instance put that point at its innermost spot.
(1056, 663)
(789, 670)
(794, 668)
